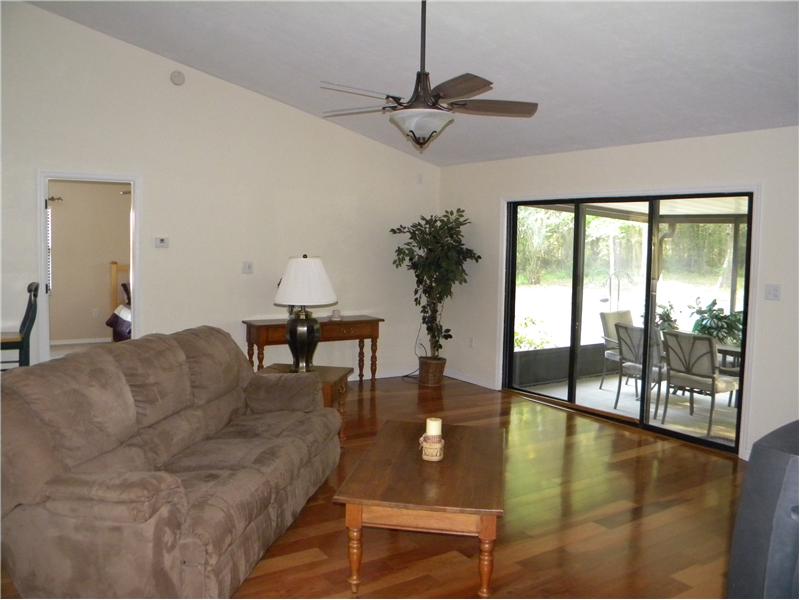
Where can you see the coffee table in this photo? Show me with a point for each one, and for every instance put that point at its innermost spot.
(393, 488)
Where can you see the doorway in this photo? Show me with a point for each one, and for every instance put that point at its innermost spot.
(605, 297)
(88, 262)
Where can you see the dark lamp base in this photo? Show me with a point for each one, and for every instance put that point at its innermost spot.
(302, 334)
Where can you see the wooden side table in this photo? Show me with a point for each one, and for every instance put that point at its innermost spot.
(272, 332)
(334, 385)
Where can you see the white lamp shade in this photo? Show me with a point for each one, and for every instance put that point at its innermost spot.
(305, 283)
(424, 123)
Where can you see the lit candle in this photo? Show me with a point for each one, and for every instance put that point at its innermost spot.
(433, 426)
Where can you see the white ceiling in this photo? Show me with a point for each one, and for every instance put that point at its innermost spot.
(603, 73)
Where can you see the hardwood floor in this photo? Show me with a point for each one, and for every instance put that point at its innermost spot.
(592, 509)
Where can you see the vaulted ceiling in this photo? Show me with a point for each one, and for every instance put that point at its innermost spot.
(603, 73)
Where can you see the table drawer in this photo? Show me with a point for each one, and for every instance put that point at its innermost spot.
(348, 331)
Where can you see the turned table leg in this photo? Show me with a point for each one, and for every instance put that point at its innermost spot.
(260, 357)
(250, 354)
(487, 536)
(361, 359)
(354, 549)
(373, 364)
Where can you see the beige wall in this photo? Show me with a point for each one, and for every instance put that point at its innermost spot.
(91, 227)
(226, 174)
(762, 161)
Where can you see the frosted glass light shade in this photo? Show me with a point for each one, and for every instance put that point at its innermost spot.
(421, 125)
(305, 283)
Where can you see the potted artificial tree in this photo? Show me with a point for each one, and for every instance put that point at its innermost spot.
(436, 253)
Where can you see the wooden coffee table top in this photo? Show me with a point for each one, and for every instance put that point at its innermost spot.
(392, 473)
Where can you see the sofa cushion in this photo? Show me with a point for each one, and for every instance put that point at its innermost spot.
(83, 400)
(130, 456)
(216, 364)
(163, 440)
(278, 460)
(157, 372)
(217, 413)
(28, 456)
(312, 429)
(222, 503)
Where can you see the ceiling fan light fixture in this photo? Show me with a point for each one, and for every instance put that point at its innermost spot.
(421, 125)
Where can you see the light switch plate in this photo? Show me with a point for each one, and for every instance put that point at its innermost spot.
(247, 267)
(772, 292)
(161, 242)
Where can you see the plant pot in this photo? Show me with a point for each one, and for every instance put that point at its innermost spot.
(431, 371)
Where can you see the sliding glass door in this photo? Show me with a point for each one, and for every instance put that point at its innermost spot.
(614, 304)
(542, 292)
(613, 275)
(698, 309)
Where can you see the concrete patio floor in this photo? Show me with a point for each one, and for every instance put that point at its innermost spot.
(678, 419)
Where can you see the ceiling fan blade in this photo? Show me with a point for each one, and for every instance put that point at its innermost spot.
(353, 108)
(324, 87)
(346, 112)
(357, 91)
(495, 108)
(465, 85)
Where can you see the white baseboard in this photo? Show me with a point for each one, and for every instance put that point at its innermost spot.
(79, 341)
(454, 374)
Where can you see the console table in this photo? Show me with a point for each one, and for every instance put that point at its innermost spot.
(272, 332)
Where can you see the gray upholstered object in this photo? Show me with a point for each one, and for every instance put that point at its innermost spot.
(157, 467)
(764, 552)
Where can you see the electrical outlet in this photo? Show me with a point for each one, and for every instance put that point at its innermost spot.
(247, 267)
(95, 313)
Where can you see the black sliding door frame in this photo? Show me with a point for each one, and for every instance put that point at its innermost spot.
(653, 220)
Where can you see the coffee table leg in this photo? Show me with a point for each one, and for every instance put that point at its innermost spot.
(487, 536)
(354, 551)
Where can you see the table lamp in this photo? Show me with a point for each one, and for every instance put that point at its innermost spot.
(304, 283)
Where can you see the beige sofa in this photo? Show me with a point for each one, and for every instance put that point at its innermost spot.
(158, 467)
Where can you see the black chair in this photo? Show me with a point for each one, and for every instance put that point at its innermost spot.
(22, 341)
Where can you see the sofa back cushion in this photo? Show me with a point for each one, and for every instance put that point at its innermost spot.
(157, 373)
(29, 459)
(218, 371)
(82, 400)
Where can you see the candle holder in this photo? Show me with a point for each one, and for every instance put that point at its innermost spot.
(432, 447)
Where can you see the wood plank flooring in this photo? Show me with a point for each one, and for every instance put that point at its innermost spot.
(592, 510)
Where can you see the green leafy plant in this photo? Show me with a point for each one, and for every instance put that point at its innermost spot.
(665, 319)
(528, 337)
(712, 320)
(436, 254)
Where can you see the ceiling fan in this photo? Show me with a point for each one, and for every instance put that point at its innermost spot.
(428, 111)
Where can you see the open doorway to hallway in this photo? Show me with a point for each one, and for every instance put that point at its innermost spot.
(89, 232)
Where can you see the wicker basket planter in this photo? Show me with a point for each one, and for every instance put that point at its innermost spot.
(431, 371)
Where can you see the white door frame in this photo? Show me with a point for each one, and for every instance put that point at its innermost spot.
(42, 184)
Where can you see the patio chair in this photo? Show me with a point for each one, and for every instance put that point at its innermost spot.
(692, 363)
(631, 349)
(611, 351)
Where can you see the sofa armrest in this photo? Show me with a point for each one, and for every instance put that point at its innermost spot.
(269, 392)
(122, 497)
